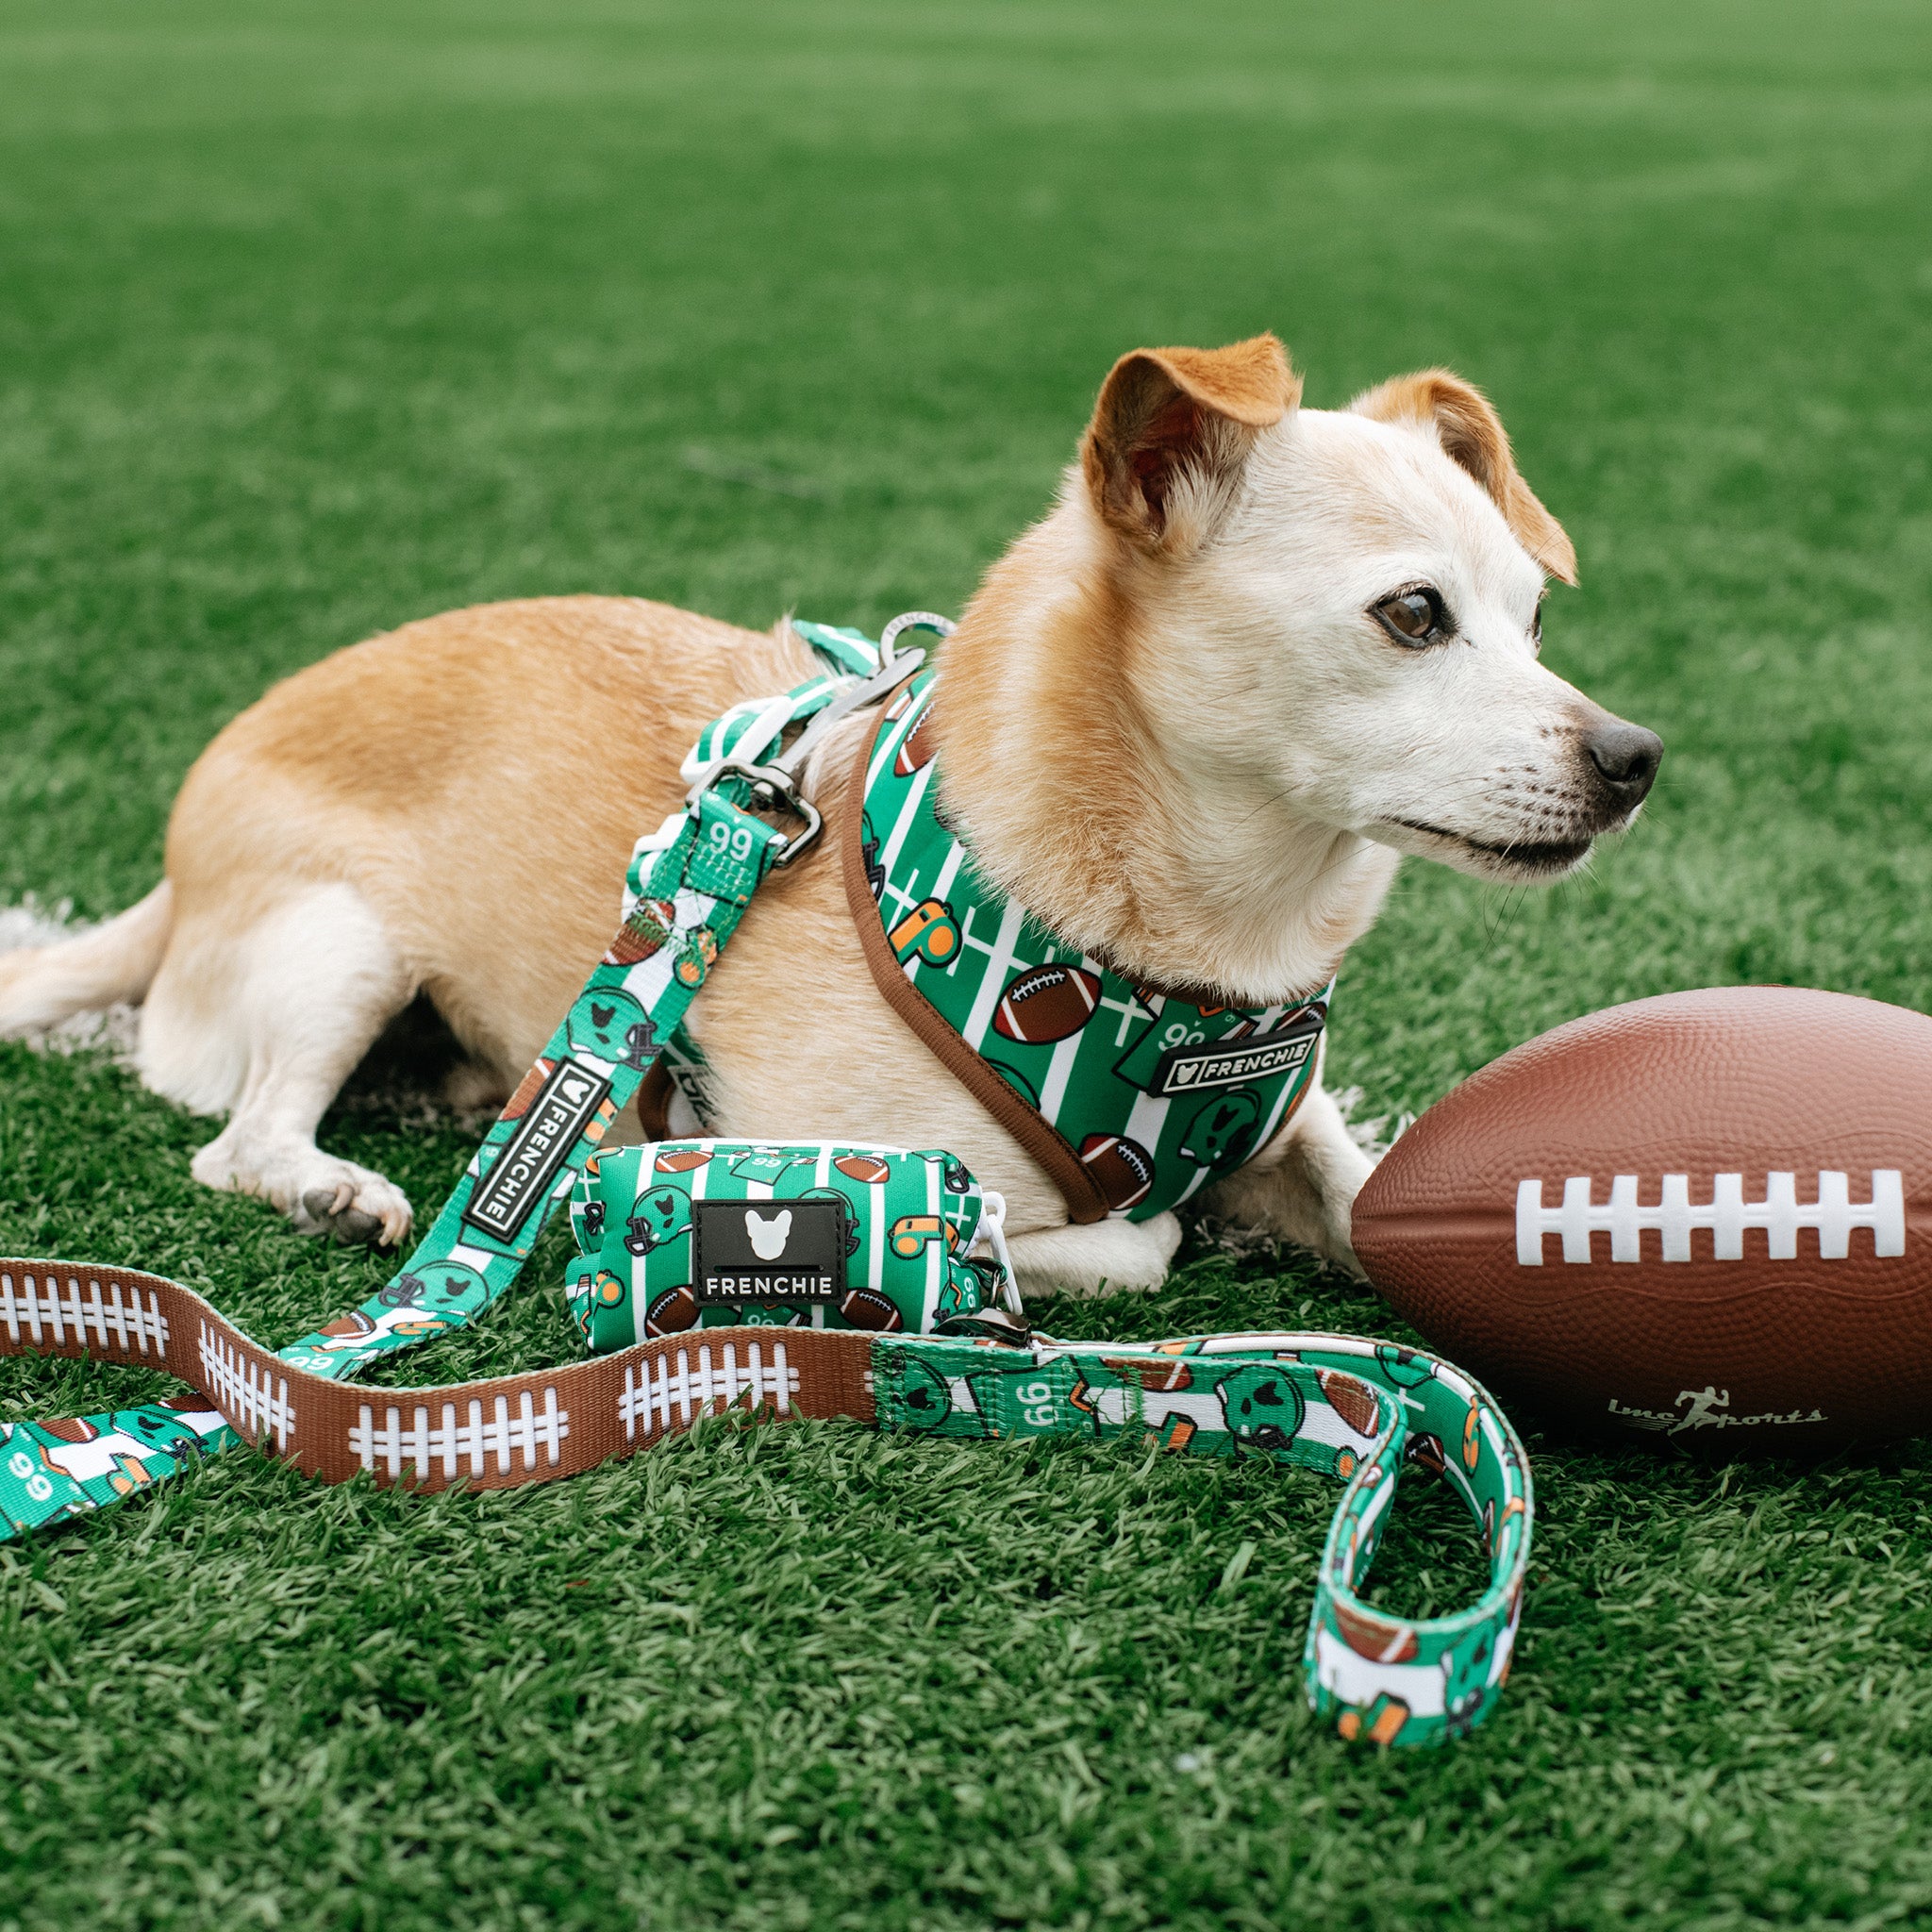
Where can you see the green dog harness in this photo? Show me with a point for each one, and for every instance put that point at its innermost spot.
(1132, 1097)
(1355, 1409)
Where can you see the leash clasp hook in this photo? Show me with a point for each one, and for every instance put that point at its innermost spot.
(772, 790)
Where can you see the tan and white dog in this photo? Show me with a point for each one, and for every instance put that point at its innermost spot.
(1193, 719)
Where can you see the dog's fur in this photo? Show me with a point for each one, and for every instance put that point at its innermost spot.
(1172, 726)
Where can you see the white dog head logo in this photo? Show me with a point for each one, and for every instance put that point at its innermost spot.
(768, 1238)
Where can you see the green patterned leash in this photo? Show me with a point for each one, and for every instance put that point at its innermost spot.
(1349, 1406)
(688, 885)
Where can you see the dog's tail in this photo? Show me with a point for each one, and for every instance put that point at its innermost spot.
(41, 986)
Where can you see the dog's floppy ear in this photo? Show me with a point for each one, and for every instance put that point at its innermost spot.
(1471, 435)
(1171, 432)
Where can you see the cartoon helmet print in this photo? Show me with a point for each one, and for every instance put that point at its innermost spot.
(659, 1215)
(608, 1024)
(1262, 1409)
(1220, 1134)
(443, 1287)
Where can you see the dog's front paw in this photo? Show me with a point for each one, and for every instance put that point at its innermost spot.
(1103, 1257)
(357, 1207)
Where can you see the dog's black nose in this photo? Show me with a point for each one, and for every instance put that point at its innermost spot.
(1626, 757)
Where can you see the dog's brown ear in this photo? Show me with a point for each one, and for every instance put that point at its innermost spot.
(1167, 417)
(1471, 435)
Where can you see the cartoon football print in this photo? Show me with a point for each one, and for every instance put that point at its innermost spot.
(867, 1168)
(1046, 1004)
(1371, 1637)
(644, 933)
(518, 1105)
(680, 1159)
(1351, 1400)
(1122, 1169)
(865, 1309)
(673, 1312)
(917, 748)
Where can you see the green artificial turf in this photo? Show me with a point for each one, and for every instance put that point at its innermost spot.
(314, 320)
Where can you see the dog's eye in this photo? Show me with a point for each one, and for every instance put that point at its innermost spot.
(1536, 628)
(1414, 617)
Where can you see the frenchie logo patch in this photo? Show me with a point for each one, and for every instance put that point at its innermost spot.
(522, 1174)
(1236, 1061)
(767, 1251)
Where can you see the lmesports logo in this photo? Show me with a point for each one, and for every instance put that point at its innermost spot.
(1710, 1407)
(1235, 1062)
(1831, 1215)
(767, 1251)
(533, 1155)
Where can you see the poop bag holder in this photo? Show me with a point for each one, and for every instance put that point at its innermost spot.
(715, 1233)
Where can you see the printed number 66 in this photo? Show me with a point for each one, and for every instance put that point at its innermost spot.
(736, 842)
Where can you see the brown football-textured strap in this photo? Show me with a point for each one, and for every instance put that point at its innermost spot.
(491, 1435)
(1085, 1202)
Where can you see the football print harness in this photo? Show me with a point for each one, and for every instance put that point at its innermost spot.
(1352, 1407)
(1131, 1097)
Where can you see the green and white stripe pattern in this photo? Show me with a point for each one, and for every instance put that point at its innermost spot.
(915, 1218)
(965, 947)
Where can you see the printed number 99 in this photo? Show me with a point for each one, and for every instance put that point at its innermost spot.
(1038, 1400)
(1181, 1034)
(736, 843)
(20, 1465)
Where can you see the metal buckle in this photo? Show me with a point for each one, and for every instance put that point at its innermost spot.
(772, 790)
(989, 1324)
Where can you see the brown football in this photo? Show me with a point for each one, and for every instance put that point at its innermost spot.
(673, 1311)
(1123, 1168)
(1047, 1003)
(1706, 1216)
(916, 748)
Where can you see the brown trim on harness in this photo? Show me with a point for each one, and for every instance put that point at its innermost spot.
(1028, 1126)
(654, 1101)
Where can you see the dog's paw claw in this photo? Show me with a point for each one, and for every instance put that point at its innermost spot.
(334, 1211)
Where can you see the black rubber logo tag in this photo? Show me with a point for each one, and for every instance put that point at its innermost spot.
(767, 1251)
(532, 1157)
(1236, 1063)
